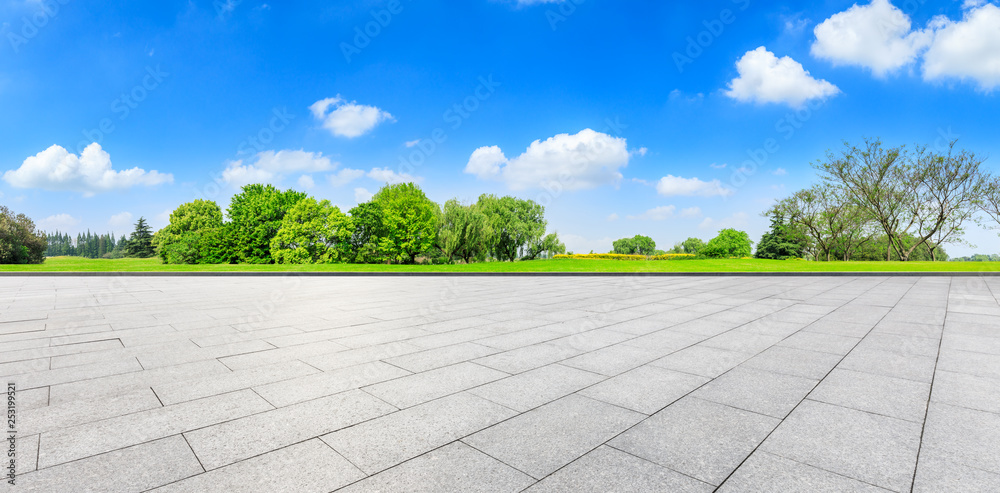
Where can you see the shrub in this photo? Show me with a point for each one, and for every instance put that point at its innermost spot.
(20, 242)
(729, 244)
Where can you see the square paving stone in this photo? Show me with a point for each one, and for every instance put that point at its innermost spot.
(970, 363)
(698, 438)
(440, 357)
(965, 436)
(418, 388)
(232, 441)
(307, 467)
(890, 363)
(136, 468)
(454, 468)
(316, 385)
(960, 389)
(646, 389)
(528, 357)
(613, 360)
(935, 475)
(381, 443)
(879, 394)
(533, 388)
(764, 392)
(547, 438)
(608, 470)
(818, 341)
(702, 360)
(875, 449)
(67, 444)
(768, 472)
(796, 362)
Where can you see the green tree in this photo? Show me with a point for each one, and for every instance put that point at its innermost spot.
(255, 214)
(782, 242)
(369, 243)
(218, 245)
(550, 244)
(20, 241)
(693, 246)
(409, 221)
(637, 245)
(515, 224)
(187, 223)
(313, 233)
(729, 243)
(140, 243)
(463, 231)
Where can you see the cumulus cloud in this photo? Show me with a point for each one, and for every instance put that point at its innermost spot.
(345, 176)
(271, 167)
(968, 49)
(671, 185)
(347, 119)
(691, 212)
(876, 36)
(657, 213)
(89, 173)
(362, 195)
(386, 175)
(585, 160)
(58, 222)
(765, 78)
(238, 174)
(120, 220)
(737, 220)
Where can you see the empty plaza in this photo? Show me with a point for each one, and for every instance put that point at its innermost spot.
(502, 383)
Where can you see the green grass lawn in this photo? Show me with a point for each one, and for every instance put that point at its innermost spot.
(77, 264)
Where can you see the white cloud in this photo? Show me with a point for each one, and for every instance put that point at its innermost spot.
(89, 173)
(657, 213)
(345, 176)
(638, 152)
(779, 172)
(966, 49)
(238, 174)
(737, 220)
(306, 182)
(288, 161)
(876, 36)
(271, 167)
(717, 166)
(348, 119)
(612, 217)
(121, 220)
(587, 159)
(691, 212)
(386, 175)
(362, 195)
(765, 78)
(60, 222)
(671, 185)
(412, 143)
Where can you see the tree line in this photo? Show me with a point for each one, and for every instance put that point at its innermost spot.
(399, 225)
(878, 202)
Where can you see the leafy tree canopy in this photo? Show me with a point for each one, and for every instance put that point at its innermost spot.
(313, 233)
(256, 214)
(729, 244)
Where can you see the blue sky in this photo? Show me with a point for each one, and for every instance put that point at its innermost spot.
(623, 118)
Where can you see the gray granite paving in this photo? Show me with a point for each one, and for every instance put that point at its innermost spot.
(496, 384)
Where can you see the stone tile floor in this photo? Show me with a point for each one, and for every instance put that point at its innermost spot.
(539, 384)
